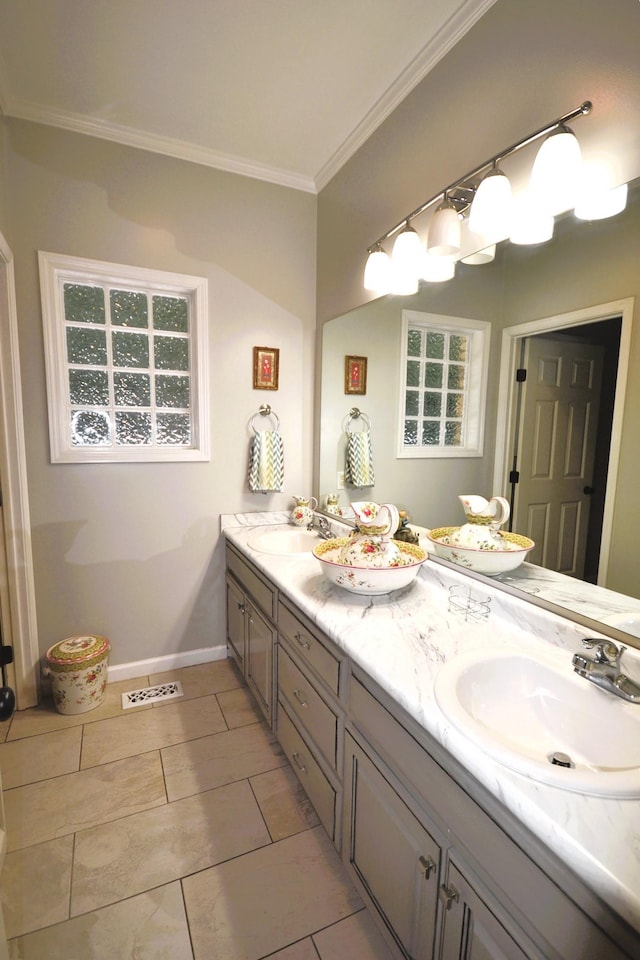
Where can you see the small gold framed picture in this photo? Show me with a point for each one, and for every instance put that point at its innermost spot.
(266, 362)
(355, 375)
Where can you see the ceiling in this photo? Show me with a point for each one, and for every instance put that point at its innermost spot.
(280, 90)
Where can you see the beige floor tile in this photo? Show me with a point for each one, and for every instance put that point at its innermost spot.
(210, 762)
(284, 804)
(45, 718)
(357, 936)
(203, 679)
(55, 808)
(257, 904)
(151, 926)
(36, 886)
(139, 731)
(40, 757)
(239, 707)
(303, 950)
(143, 851)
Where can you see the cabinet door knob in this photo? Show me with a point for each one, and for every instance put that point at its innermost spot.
(241, 607)
(428, 865)
(298, 762)
(448, 895)
(303, 643)
(300, 699)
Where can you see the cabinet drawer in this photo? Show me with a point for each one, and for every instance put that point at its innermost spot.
(316, 785)
(308, 706)
(309, 647)
(262, 592)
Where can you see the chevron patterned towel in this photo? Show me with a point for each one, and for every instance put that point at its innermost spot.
(359, 463)
(266, 462)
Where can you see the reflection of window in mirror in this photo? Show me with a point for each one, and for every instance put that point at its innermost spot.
(444, 378)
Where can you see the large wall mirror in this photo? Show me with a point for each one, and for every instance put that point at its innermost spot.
(581, 288)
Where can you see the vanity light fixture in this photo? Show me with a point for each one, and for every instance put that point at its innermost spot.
(555, 174)
(602, 204)
(531, 224)
(458, 198)
(492, 207)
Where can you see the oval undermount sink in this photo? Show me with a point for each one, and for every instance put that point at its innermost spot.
(524, 710)
(284, 540)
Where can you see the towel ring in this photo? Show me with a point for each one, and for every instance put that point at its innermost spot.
(355, 414)
(264, 410)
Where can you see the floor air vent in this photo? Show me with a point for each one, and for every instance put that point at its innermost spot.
(163, 691)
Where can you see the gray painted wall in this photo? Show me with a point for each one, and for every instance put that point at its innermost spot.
(133, 550)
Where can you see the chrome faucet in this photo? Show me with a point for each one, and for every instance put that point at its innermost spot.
(605, 670)
(322, 525)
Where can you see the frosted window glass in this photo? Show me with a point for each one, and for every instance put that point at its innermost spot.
(456, 377)
(129, 309)
(435, 345)
(433, 375)
(455, 404)
(413, 373)
(458, 348)
(130, 349)
(132, 389)
(410, 433)
(430, 432)
(173, 429)
(170, 313)
(172, 391)
(88, 387)
(412, 403)
(432, 404)
(86, 346)
(83, 304)
(90, 428)
(414, 343)
(171, 353)
(133, 428)
(452, 434)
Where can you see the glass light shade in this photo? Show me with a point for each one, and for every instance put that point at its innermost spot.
(482, 256)
(437, 269)
(492, 207)
(530, 223)
(445, 235)
(602, 204)
(404, 282)
(555, 175)
(407, 251)
(377, 272)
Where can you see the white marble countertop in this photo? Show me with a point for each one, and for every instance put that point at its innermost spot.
(402, 639)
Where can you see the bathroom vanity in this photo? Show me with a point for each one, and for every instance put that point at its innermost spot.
(455, 854)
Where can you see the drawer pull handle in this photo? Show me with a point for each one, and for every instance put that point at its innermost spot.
(448, 895)
(301, 641)
(241, 607)
(300, 699)
(296, 759)
(428, 865)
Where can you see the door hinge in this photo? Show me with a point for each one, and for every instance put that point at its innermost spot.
(521, 375)
(514, 476)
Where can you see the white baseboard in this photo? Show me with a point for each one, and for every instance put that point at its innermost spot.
(173, 661)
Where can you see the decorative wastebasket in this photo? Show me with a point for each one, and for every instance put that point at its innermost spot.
(78, 668)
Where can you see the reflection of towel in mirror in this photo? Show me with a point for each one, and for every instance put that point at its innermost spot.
(359, 463)
(266, 462)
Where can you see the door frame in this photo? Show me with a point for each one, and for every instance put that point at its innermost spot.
(19, 622)
(505, 422)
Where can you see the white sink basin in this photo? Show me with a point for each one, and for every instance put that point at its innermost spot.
(522, 709)
(629, 622)
(283, 540)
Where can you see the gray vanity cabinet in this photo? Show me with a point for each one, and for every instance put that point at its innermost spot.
(251, 631)
(310, 726)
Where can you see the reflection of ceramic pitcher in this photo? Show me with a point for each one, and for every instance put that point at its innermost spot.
(302, 513)
(484, 519)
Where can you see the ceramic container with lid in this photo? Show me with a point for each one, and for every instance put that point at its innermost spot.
(78, 668)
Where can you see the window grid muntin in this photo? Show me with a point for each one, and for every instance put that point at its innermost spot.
(112, 409)
(430, 373)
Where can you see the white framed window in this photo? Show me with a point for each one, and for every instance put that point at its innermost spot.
(126, 361)
(443, 385)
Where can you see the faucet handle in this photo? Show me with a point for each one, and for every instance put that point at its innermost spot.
(606, 650)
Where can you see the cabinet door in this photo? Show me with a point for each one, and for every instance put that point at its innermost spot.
(260, 640)
(392, 855)
(235, 621)
(472, 930)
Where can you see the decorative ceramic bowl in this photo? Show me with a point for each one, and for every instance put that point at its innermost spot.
(367, 579)
(509, 551)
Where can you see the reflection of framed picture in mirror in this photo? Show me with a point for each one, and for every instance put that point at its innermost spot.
(266, 361)
(355, 375)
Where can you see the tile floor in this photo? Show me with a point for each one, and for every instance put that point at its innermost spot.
(171, 830)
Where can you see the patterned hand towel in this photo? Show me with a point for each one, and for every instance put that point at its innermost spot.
(359, 462)
(266, 462)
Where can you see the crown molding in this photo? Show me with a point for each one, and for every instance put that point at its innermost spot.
(443, 41)
(168, 146)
